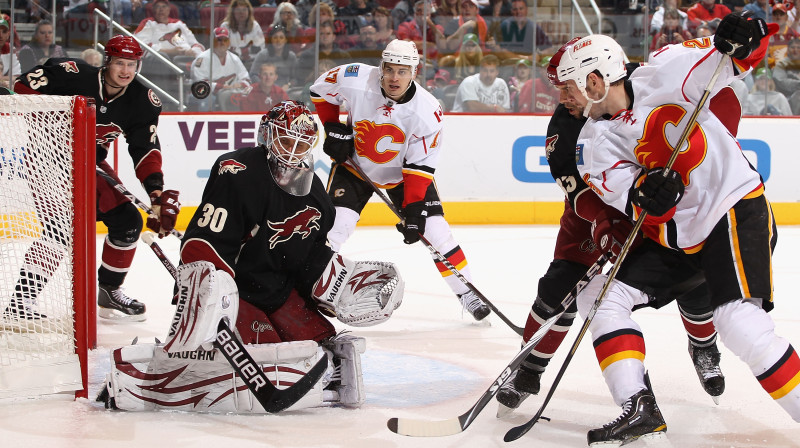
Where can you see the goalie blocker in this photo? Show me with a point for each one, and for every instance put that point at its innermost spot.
(186, 374)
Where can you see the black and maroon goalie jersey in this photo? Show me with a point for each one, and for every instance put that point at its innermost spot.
(269, 240)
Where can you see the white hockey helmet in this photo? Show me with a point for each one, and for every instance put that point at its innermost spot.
(401, 52)
(288, 132)
(595, 52)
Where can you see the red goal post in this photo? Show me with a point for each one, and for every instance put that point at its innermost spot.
(47, 230)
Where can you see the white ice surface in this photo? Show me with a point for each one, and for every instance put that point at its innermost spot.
(431, 362)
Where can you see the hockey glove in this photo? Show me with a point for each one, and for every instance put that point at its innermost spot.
(338, 143)
(658, 194)
(610, 229)
(413, 223)
(737, 36)
(165, 212)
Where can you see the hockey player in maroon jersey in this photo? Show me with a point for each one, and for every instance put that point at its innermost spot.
(394, 134)
(585, 223)
(709, 209)
(124, 107)
(256, 253)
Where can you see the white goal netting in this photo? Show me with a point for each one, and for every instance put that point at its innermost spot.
(37, 334)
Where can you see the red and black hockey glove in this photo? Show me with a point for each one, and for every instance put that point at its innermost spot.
(413, 223)
(339, 144)
(610, 229)
(657, 194)
(166, 208)
(737, 36)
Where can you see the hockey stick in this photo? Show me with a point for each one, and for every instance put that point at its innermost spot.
(436, 253)
(519, 431)
(455, 425)
(124, 191)
(270, 397)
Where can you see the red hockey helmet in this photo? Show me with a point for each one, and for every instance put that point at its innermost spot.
(124, 47)
(288, 132)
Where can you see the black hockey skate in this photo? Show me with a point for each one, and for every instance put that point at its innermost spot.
(473, 304)
(521, 384)
(20, 317)
(706, 363)
(640, 418)
(115, 305)
(17, 310)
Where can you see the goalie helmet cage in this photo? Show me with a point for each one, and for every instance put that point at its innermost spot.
(47, 231)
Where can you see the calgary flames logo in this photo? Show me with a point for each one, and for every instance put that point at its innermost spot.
(654, 150)
(107, 133)
(369, 134)
(302, 223)
(231, 166)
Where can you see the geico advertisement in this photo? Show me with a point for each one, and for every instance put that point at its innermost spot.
(484, 158)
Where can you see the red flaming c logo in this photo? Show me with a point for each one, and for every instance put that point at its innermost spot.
(302, 223)
(369, 134)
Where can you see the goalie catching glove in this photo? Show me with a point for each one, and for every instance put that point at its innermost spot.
(165, 212)
(359, 293)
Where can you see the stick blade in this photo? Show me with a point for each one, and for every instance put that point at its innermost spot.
(517, 432)
(424, 428)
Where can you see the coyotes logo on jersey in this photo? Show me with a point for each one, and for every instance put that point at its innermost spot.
(231, 166)
(107, 133)
(69, 66)
(303, 223)
(369, 134)
(654, 150)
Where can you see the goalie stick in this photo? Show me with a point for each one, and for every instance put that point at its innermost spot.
(519, 431)
(455, 425)
(436, 253)
(270, 397)
(136, 201)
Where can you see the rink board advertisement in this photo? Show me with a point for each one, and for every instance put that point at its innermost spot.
(492, 170)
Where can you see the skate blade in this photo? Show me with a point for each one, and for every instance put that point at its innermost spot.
(17, 325)
(652, 439)
(716, 399)
(503, 410)
(119, 316)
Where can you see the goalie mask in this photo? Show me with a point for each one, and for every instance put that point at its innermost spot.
(288, 132)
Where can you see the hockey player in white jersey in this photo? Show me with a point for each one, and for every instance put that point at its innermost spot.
(394, 134)
(710, 207)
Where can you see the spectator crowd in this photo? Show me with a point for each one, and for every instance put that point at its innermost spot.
(486, 56)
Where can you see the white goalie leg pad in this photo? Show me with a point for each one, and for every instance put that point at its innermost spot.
(205, 296)
(346, 379)
(748, 331)
(359, 293)
(144, 377)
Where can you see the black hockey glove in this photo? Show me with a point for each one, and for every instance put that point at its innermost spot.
(339, 143)
(413, 223)
(657, 194)
(737, 36)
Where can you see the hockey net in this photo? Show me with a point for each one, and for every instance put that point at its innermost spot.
(47, 239)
